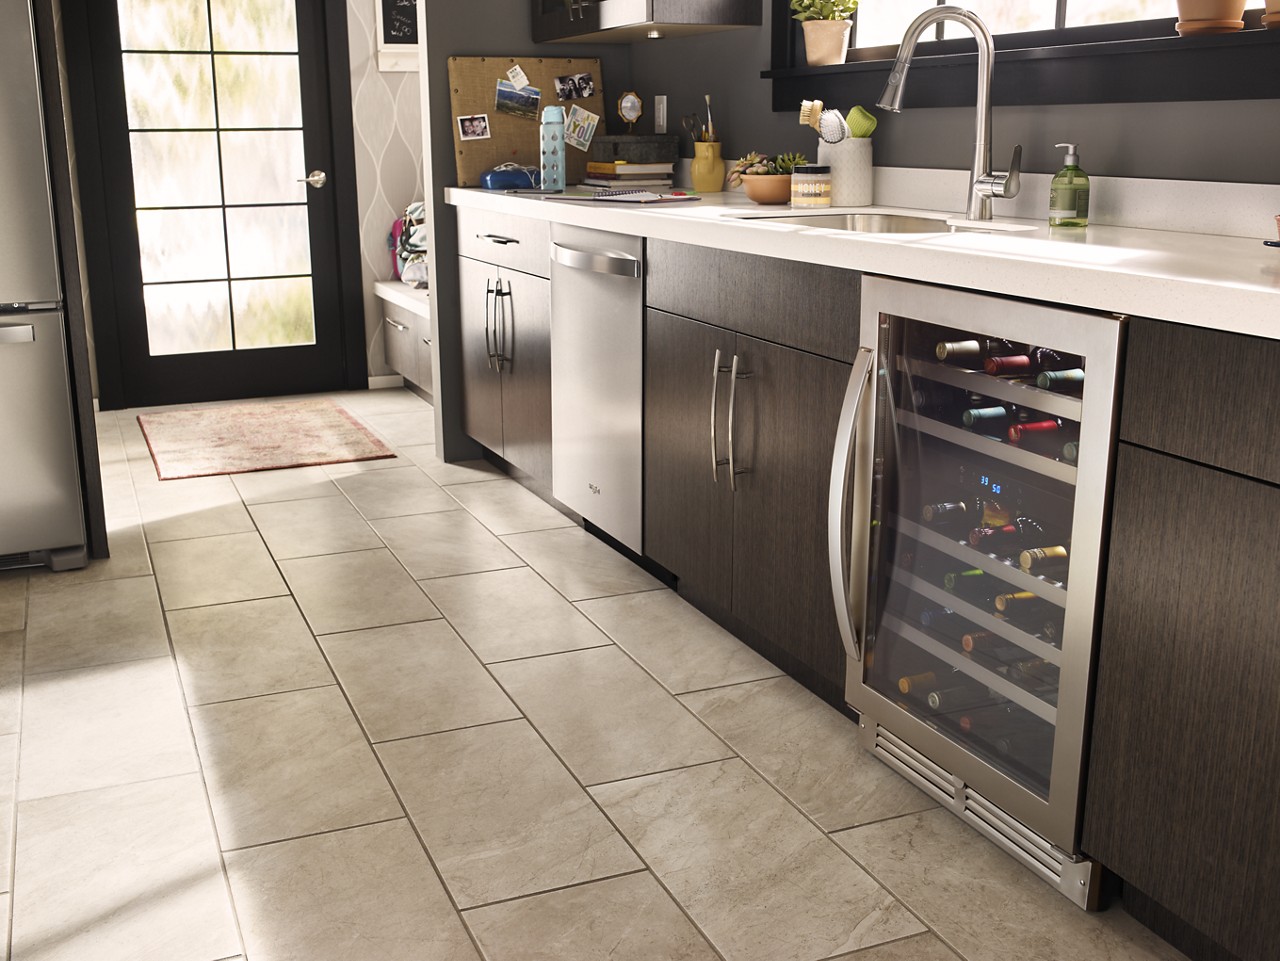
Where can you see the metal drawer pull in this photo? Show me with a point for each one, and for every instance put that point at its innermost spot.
(17, 333)
(849, 580)
(735, 376)
(716, 461)
(620, 265)
(400, 327)
(497, 239)
(488, 347)
(500, 324)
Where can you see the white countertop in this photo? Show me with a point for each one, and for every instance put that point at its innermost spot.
(1225, 283)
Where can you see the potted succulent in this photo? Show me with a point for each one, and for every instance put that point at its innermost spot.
(767, 180)
(827, 24)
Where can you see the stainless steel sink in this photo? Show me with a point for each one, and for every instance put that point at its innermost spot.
(867, 223)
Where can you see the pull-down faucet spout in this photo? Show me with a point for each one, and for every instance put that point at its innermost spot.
(983, 183)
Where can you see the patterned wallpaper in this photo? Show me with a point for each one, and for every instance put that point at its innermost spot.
(388, 129)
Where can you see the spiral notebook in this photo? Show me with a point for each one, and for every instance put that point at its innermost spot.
(627, 197)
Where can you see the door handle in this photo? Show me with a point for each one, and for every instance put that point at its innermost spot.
(316, 179)
(599, 261)
(500, 298)
(734, 376)
(399, 327)
(849, 578)
(716, 461)
(497, 239)
(17, 333)
(488, 348)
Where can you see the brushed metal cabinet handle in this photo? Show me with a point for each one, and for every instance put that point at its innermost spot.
(400, 327)
(500, 324)
(17, 333)
(734, 376)
(488, 348)
(716, 460)
(849, 577)
(497, 239)
(599, 261)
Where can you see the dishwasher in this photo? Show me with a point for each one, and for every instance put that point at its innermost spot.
(597, 377)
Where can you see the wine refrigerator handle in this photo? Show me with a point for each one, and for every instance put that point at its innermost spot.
(848, 549)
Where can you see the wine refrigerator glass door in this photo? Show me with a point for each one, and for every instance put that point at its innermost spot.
(993, 431)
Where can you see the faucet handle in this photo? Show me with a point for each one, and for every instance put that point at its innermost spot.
(1012, 182)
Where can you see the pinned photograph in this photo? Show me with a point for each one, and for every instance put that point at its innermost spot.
(521, 102)
(475, 127)
(580, 127)
(576, 86)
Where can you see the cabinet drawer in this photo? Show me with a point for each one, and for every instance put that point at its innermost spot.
(516, 242)
(807, 306)
(1204, 395)
(399, 328)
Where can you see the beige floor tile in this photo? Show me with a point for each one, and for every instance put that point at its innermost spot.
(809, 752)
(365, 894)
(617, 723)
(761, 881)
(126, 873)
(404, 429)
(11, 644)
(500, 815)
(351, 592)
(462, 472)
(414, 679)
(386, 400)
(129, 558)
(13, 600)
(680, 646)
(578, 565)
(985, 904)
(8, 797)
(620, 919)
(444, 544)
(95, 623)
(395, 493)
(508, 614)
(921, 947)
(291, 484)
(307, 528)
(290, 764)
(100, 726)
(215, 570)
(183, 509)
(361, 466)
(505, 507)
(244, 650)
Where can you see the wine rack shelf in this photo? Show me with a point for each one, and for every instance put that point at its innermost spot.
(979, 444)
(988, 678)
(1051, 591)
(977, 382)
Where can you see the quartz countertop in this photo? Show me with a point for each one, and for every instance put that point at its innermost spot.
(1224, 283)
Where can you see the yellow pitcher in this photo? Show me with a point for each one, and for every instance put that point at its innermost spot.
(707, 170)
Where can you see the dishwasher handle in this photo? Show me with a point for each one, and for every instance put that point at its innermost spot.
(619, 265)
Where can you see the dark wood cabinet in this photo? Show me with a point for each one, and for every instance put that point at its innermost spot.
(625, 21)
(756, 554)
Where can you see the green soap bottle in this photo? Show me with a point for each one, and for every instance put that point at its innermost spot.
(1069, 193)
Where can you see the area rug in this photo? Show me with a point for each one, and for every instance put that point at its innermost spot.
(242, 438)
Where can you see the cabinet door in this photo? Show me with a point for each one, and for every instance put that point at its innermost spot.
(523, 325)
(399, 327)
(787, 409)
(1186, 728)
(481, 382)
(563, 19)
(688, 518)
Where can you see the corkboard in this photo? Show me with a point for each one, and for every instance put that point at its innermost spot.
(473, 83)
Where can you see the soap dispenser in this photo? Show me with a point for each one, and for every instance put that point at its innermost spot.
(1069, 192)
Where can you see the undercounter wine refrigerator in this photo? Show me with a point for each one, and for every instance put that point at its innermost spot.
(968, 504)
(41, 517)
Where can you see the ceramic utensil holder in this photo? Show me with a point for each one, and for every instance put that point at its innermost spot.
(707, 171)
(851, 171)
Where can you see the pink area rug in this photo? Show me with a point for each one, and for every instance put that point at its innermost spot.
(242, 438)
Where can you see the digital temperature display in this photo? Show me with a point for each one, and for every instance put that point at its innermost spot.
(987, 483)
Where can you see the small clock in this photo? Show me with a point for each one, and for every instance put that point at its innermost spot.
(630, 107)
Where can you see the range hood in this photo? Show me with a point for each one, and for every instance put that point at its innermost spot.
(628, 21)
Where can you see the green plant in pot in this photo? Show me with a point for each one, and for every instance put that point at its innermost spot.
(767, 180)
(827, 24)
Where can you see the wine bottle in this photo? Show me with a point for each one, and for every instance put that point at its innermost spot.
(989, 419)
(1030, 364)
(914, 682)
(1033, 672)
(975, 586)
(990, 645)
(990, 722)
(1071, 451)
(945, 621)
(1030, 745)
(1024, 608)
(1017, 432)
(966, 352)
(1044, 561)
(982, 511)
(1067, 381)
(1007, 539)
(960, 697)
(1051, 631)
(939, 402)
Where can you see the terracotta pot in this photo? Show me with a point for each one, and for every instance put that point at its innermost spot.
(826, 42)
(1189, 10)
(768, 188)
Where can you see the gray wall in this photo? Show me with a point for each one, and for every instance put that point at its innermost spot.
(1235, 141)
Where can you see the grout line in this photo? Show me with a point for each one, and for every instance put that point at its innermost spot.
(254, 697)
(731, 684)
(487, 570)
(449, 730)
(311, 834)
(731, 756)
(562, 887)
(536, 657)
(243, 600)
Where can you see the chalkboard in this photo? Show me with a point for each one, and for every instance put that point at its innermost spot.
(399, 21)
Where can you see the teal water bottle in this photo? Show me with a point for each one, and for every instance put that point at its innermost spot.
(552, 142)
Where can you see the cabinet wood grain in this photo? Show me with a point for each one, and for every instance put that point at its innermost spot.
(481, 385)
(1205, 395)
(525, 338)
(1186, 730)
(516, 242)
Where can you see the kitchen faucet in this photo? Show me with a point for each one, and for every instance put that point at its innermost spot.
(983, 183)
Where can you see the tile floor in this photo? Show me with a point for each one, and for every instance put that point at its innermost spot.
(404, 711)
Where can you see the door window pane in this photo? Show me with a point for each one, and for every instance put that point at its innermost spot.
(268, 241)
(182, 245)
(188, 318)
(258, 91)
(176, 169)
(255, 25)
(274, 313)
(169, 91)
(164, 25)
(264, 166)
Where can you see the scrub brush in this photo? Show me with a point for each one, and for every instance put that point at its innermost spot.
(861, 123)
(830, 124)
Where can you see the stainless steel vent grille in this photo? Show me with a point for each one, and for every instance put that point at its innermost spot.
(15, 560)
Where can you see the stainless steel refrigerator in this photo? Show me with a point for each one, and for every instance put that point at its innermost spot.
(41, 509)
(967, 519)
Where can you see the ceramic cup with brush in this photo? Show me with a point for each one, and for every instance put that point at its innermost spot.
(845, 147)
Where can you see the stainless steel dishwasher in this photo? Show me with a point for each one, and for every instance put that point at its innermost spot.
(597, 377)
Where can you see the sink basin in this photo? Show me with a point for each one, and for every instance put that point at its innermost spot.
(866, 223)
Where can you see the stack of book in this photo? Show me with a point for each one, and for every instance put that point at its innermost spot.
(620, 174)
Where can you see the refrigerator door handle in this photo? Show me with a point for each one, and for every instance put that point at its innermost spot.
(848, 549)
(17, 333)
